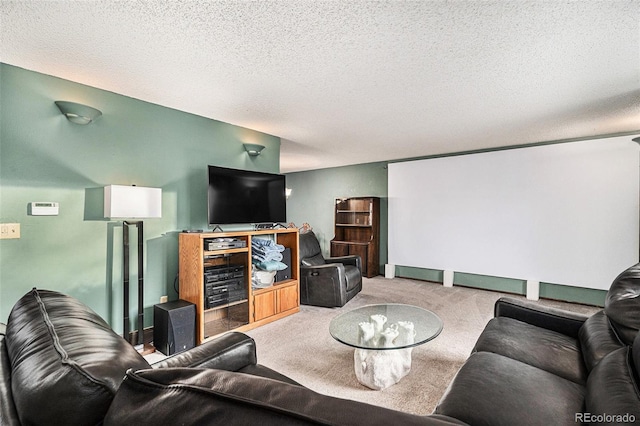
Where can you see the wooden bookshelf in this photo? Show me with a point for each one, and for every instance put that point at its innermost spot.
(357, 231)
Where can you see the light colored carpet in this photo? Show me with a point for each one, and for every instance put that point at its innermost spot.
(301, 347)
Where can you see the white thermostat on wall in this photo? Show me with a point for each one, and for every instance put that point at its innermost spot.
(43, 208)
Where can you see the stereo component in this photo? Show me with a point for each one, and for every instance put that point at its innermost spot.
(285, 274)
(224, 243)
(224, 285)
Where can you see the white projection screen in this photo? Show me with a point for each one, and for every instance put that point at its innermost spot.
(563, 213)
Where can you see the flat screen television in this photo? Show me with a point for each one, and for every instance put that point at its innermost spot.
(242, 196)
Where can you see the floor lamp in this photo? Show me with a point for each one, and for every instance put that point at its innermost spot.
(132, 202)
(637, 140)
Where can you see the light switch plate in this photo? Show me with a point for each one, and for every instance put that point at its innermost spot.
(9, 231)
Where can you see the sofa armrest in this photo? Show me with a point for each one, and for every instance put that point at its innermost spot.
(8, 414)
(554, 319)
(353, 260)
(231, 351)
(323, 285)
(328, 270)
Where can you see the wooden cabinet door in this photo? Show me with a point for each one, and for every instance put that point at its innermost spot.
(339, 249)
(362, 251)
(287, 298)
(264, 305)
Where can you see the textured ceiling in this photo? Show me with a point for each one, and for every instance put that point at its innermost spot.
(346, 82)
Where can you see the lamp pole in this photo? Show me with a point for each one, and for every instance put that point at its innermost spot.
(637, 140)
(125, 241)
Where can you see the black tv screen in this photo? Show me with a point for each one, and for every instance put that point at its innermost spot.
(242, 196)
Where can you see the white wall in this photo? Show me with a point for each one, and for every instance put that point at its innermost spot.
(564, 213)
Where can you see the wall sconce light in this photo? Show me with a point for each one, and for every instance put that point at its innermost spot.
(78, 113)
(287, 192)
(253, 149)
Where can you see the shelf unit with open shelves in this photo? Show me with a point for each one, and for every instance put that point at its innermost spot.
(260, 306)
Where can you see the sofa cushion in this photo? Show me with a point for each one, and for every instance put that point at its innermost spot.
(309, 249)
(612, 388)
(217, 397)
(597, 339)
(623, 304)
(316, 260)
(492, 389)
(67, 363)
(548, 350)
(262, 371)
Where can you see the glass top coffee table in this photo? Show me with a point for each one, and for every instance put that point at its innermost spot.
(384, 336)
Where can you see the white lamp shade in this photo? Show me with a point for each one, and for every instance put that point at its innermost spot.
(135, 202)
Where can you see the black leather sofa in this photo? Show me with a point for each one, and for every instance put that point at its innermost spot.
(330, 282)
(542, 366)
(60, 363)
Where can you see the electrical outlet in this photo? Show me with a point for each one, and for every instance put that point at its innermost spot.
(164, 299)
(9, 230)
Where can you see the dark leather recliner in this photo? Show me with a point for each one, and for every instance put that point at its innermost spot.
(329, 282)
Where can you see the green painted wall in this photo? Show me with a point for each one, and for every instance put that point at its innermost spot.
(44, 157)
(314, 193)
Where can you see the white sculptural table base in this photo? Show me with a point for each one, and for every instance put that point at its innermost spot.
(380, 369)
(384, 337)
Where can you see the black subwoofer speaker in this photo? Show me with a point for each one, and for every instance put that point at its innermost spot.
(285, 274)
(174, 326)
